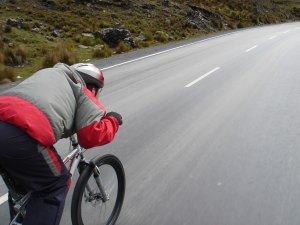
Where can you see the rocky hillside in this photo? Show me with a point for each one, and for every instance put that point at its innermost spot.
(38, 33)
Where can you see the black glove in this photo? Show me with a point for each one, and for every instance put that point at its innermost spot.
(117, 116)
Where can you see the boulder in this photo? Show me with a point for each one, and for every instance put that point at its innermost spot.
(142, 38)
(203, 19)
(56, 33)
(37, 25)
(49, 3)
(10, 1)
(19, 23)
(114, 35)
(130, 41)
(83, 46)
(13, 22)
(148, 6)
(89, 35)
(165, 2)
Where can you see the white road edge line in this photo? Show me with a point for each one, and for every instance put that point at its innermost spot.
(3, 198)
(285, 32)
(172, 49)
(202, 77)
(275, 36)
(250, 49)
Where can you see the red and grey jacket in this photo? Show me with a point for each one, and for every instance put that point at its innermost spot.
(53, 104)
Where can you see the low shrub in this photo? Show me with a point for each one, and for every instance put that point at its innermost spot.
(149, 36)
(104, 24)
(162, 37)
(217, 23)
(1, 57)
(255, 20)
(61, 53)
(7, 74)
(21, 52)
(14, 56)
(7, 29)
(240, 25)
(232, 25)
(1, 43)
(138, 43)
(123, 47)
(69, 34)
(102, 52)
(77, 38)
(87, 41)
(27, 26)
(146, 44)
(43, 51)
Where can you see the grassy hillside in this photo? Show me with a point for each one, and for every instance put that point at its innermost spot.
(38, 33)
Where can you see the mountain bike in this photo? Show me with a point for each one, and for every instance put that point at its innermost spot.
(100, 187)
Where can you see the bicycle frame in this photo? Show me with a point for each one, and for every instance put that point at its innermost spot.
(75, 158)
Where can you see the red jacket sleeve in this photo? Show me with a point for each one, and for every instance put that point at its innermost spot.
(98, 133)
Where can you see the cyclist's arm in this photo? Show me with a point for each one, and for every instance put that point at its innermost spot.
(98, 133)
(92, 126)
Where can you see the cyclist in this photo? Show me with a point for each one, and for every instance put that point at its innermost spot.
(53, 103)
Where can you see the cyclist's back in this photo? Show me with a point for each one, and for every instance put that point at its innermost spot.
(52, 104)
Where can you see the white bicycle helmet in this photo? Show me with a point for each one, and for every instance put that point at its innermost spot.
(90, 74)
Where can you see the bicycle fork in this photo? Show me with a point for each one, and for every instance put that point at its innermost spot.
(96, 174)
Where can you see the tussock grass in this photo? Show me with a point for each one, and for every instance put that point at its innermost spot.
(123, 47)
(7, 74)
(102, 52)
(12, 56)
(61, 53)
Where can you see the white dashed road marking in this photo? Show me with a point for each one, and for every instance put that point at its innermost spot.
(202, 77)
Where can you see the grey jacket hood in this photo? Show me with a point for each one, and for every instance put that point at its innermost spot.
(72, 74)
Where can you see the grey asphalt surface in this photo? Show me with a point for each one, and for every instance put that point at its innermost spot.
(222, 151)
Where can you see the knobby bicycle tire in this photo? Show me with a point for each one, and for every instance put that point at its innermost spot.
(76, 211)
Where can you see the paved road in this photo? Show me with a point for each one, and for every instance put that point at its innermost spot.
(211, 131)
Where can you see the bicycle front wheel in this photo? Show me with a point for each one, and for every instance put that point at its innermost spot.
(88, 205)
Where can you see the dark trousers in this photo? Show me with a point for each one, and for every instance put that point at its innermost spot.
(38, 169)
